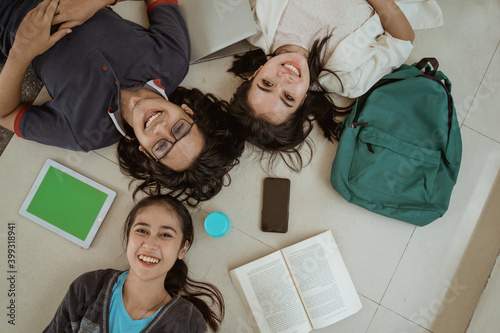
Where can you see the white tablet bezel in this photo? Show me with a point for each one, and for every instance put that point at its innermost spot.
(95, 225)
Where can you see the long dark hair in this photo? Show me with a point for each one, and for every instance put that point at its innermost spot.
(206, 176)
(177, 280)
(286, 140)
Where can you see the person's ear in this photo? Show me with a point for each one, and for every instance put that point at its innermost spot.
(144, 151)
(187, 110)
(254, 74)
(148, 155)
(183, 251)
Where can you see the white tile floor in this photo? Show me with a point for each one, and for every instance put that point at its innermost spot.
(406, 276)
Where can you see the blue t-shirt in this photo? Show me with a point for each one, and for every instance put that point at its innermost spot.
(119, 320)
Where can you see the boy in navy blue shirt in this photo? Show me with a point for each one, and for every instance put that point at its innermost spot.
(109, 79)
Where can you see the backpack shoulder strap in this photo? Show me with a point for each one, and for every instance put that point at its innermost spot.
(428, 66)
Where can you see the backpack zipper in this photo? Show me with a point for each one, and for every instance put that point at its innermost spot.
(355, 124)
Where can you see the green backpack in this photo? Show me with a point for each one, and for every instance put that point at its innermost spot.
(400, 149)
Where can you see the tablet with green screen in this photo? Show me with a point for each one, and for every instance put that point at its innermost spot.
(67, 203)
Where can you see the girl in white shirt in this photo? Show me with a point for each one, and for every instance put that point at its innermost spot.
(281, 96)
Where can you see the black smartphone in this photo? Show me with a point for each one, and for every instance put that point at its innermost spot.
(275, 202)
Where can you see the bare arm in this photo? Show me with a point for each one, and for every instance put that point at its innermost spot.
(32, 39)
(393, 20)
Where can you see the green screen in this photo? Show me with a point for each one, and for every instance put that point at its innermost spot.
(67, 203)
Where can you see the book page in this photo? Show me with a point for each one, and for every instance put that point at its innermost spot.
(322, 280)
(269, 296)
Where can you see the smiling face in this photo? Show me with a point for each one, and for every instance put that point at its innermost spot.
(153, 118)
(279, 87)
(155, 242)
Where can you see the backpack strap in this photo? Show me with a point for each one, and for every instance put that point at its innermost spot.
(445, 83)
(422, 65)
(429, 67)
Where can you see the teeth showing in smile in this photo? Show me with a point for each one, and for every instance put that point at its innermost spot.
(151, 119)
(292, 68)
(149, 260)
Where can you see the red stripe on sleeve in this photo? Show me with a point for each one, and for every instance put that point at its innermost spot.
(160, 2)
(17, 121)
(158, 83)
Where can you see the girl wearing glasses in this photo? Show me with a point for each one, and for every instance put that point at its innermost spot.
(109, 78)
(155, 294)
(316, 47)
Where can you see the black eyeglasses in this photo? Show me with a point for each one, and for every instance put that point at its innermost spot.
(180, 129)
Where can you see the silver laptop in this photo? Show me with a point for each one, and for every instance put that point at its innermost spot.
(217, 28)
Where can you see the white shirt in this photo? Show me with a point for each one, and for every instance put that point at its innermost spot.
(361, 58)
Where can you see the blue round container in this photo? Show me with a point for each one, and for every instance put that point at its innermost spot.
(217, 224)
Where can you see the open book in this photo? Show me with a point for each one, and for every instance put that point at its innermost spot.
(302, 287)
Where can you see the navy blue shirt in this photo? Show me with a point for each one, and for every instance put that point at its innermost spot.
(85, 71)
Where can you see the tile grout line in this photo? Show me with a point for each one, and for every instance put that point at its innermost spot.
(95, 152)
(258, 240)
(411, 321)
(373, 317)
(240, 230)
(482, 134)
(379, 304)
(479, 86)
(397, 266)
